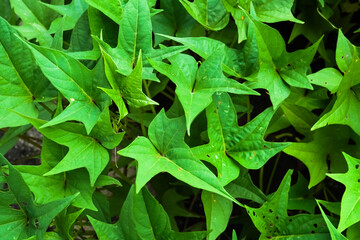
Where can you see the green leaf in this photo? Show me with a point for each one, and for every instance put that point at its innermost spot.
(345, 110)
(327, 143)
(350, 206)
(36, 19)
(236, 62)
(229, 142)
(65, 220)
(32, 219)
(244, 188)
(328, 78)
(174, 21)
(217, 211)
(59, 185)
(74, 81)
(345, 52)
(300, 197)
(209, 13)
(17, 70)
(272, 221)
(84, 151)
(71, 14)
(196, 86)
(111, 8)
(334, 233)
(277, 66)
(141, 217)
(166, 151)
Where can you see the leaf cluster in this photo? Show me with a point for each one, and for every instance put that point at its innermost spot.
(179, 119)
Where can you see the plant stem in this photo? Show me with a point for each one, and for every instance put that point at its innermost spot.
(148, 94)
(46, 108)
(273, 173)
(167, 95)
(143, 130)
(261, 179)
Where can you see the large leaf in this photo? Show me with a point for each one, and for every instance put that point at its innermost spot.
(36, 19)
(350, 205)
(272, 220)
(166, 151)
(217, 211)
(32, 219)
(345, 109)
(111, 8)
(209, 13)
(196, 86)
(229, 142)
(17, 70)
(84, 151)
(327, 144)
(75, 82)
(141, 217)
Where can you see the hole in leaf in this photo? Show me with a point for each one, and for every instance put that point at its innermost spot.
(37, 223)
(207, 155)
(315, 225)
(290, 220)
(271, 211)
(357, 166)
(313, 232)
(277, 217)
(15, 206)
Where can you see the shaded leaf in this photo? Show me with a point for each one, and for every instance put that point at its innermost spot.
(141, 217)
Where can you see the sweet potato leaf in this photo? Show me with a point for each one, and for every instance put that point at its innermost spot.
(209, 13)
(349, 214)
(141, 217)
(229, 142)
(166, 151)
(196, 86)
(32, 219)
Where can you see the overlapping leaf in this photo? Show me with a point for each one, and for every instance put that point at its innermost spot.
(346, 107)
(84, 151)
(327, 144)
(209, 13)
(32, 219)
(135, 35)
(76, 83)
(350, 205)
(217, 211)
(272, 220)
(196, 86)
(17, 70)
(141, 217)
(229, 142)
(166, 151)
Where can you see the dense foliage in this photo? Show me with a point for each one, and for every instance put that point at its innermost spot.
(178, 119)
